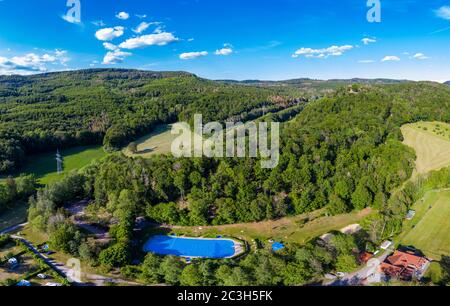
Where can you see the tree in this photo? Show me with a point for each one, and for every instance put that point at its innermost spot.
(171, 267)
(132, 147)
(117, 255)
(151, 273)
(190, 276)
(346, 263)
(362, 197)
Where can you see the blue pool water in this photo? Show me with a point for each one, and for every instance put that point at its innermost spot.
(190, 247)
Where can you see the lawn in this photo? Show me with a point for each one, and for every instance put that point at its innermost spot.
(14, 215)
(429, 230)
(44, 165)
(297, 229)
(431, 141)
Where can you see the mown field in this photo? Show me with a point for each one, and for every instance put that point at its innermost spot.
(431, 141)
(44, 165)
(157, 142)
(429, 230)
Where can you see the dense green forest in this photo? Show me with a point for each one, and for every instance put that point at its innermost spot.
(64, 109)
(341, 152)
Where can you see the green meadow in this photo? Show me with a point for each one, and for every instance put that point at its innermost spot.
(44, 165)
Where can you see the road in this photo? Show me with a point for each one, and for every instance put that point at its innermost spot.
(356, 278)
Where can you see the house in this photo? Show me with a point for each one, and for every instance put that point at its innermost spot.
(404, 266)
(386, 245)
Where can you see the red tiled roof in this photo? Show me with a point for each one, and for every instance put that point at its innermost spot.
(404, 260)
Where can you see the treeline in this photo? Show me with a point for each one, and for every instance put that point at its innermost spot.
(59, 110)
(15, 190)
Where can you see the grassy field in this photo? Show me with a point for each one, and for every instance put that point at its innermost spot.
(297, 229)
(157, 142)
(431, 141)
(44, 165)
(429, 230)
(13, 216)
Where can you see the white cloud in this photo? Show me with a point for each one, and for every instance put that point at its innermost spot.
(98, 23)
(141, 16)
(420, 56)
(367, 40)
(32, 63)
(123, 15)
(366, 61)
(322, 53)
(224, 51)
(443, 12)
(192, 55)
(109, 33)
(110, 46)
(141, 27)
(159, 39)
(114, 57)
(390, 58)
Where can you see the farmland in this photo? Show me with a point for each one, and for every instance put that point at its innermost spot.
(431, 141)
(428, 230)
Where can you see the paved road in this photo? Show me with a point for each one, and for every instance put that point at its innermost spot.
(357, 278)
(13, 228)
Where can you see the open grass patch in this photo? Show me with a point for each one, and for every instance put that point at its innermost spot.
(44, 165)
(429, 230)
(431, 141)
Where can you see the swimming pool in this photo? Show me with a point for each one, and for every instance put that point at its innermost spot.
(192, 247)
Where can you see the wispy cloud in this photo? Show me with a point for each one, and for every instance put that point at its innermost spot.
(141, 27)
(159, 39)
(366, 61)
(115, 57)
(322, 53)
(390, 58)
(192, 55)
(367, 40)
(420, 56)
(443, 12)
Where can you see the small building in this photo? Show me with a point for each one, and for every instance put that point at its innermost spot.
(386, 245)
(410, 214)
(404, 266)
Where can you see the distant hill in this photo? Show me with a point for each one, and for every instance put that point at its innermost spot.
(447, 83)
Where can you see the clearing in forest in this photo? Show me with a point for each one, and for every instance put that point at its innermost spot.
(431, 141)
(157, 142)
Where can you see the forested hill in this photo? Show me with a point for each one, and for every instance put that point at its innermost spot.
(343, 152)
(447, 83)
(112, 106)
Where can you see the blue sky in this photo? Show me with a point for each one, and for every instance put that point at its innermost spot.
(232, 39)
